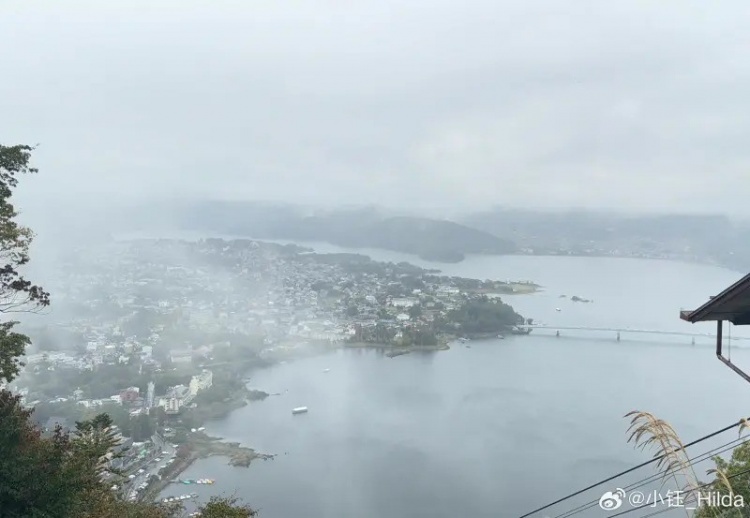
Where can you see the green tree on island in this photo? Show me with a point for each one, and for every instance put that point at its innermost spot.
(59, 476)
(481, 315)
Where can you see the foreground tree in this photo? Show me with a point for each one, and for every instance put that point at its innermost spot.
(226, 508)
(726, 496)
(16, 293)
(63, 475)
(41, 476)
(731, 478)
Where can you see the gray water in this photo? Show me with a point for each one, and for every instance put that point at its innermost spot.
(497, 429)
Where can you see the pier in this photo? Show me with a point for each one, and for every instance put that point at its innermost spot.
(180, 498)
(206, 481)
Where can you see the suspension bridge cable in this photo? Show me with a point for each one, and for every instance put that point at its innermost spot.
(653, 478)
(634, 468)
(702, 486)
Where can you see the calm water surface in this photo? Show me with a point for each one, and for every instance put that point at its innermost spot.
(496, 429)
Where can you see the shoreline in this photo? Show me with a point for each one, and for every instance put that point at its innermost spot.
(396, 350)
(202, 446)
(444, 345)
(188, 235)
(198, 445)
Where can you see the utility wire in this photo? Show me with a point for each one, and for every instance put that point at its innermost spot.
(639, 466)
(702, 486)
(653, 478)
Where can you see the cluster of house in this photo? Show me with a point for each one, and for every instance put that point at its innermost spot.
(172, 402)
(288, 306)
(97, 353)
(287, 301)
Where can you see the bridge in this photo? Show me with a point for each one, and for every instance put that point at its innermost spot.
(627, 330)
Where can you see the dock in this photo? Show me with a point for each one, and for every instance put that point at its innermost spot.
(179, 498)
(205, 481)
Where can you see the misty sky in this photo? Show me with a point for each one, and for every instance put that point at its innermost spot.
(619, 104)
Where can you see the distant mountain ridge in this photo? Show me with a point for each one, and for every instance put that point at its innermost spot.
(704, 237)
(430, 239)
(691, 237)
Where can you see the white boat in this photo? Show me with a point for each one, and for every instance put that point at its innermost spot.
(558, 309)
(326, 370)
(299, 410)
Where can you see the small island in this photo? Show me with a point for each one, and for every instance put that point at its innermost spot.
(482, 317)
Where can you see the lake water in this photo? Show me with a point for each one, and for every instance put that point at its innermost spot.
(497, 429)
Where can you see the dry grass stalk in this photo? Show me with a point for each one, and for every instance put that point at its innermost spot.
(744, 425)
(722, 478)
(645, 431)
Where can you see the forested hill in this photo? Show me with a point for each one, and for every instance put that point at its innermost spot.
(431, 239)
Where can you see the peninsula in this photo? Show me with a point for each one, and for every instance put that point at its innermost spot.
(162, 335)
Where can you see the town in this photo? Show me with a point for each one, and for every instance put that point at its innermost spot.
(161, 334)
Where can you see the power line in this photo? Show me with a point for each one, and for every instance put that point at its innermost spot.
(639, 466)
(652, 478)
(702, 486)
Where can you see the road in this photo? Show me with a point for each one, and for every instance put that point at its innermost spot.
(166, 452)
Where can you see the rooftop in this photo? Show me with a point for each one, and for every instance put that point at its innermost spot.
(732, 304)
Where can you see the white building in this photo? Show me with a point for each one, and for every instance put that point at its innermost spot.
(31, 359)
(172, 405)
(149, 395)
(403, 302)
(181, 355)
(200, 382)
(180, 392)
(174, 400)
